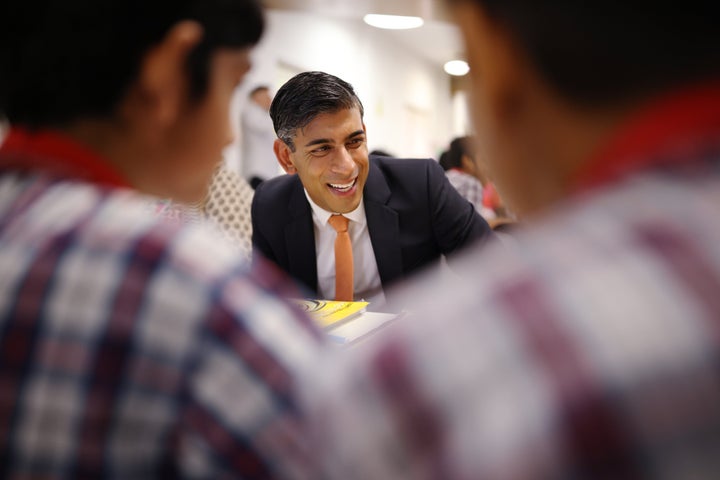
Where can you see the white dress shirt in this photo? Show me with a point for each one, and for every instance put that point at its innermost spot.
(366, 278)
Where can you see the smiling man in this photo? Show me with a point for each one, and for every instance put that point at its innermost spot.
(402, 214)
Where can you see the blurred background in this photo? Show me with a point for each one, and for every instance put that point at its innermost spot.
(413, 107)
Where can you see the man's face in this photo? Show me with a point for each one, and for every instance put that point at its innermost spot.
(506, 122)
(205, 129)
(331, 159)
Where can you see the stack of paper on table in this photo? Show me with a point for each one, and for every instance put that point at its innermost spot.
(330, 312)
(360, 326)
(344, 322)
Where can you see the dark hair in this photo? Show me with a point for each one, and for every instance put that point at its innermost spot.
(68, 59)
(594, 52)
(443, 160)
(458, 147)
(304, 97)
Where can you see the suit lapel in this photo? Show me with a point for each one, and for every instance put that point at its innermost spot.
(300, 239)
(383, 226)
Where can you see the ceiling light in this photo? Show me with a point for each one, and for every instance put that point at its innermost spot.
(457, 68)
(393, 22)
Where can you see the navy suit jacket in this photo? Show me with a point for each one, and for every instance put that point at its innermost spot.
(413, 213)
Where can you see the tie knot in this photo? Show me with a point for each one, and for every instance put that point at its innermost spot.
(339, 223)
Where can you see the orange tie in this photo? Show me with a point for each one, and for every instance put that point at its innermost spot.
(343, 259)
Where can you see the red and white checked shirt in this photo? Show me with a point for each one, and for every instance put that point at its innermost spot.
(131, 347)
(587, 349)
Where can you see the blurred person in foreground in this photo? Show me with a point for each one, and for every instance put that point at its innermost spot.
(131, 347)
(590, 350)
(401, 215)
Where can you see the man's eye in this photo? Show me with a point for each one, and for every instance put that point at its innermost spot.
(320, 150)
(355, 142)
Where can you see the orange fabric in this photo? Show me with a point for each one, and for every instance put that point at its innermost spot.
(343, 259)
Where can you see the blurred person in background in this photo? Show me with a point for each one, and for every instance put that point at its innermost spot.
(590, 349)
(257, 136)
(465, 174)
(130, 347)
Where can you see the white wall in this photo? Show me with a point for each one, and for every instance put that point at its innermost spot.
(408, 106)
(462, 123)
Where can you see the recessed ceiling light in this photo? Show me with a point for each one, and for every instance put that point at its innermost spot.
(393, 22)
(457, 68)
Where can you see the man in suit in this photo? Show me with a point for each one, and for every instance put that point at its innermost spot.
(404, 214)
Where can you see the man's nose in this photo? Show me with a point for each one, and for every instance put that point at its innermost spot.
(343, 162)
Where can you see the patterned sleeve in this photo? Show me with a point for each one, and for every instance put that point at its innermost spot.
(228, 205)
(240, 414)
(455, 222)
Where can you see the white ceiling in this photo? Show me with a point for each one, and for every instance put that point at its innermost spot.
(438, 40)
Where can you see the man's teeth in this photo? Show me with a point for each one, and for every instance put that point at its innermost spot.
(346, 186)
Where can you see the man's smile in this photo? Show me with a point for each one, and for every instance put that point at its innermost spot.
(343, 187)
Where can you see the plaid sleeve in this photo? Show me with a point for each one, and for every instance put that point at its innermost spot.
(240, 417)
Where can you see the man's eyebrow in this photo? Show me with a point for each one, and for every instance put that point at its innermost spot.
(318, 141)
(355, 134)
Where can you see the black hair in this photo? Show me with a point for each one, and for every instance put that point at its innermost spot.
(68, 59)
(607, 51)
(443, 160)
(304, 97)
(458, 147)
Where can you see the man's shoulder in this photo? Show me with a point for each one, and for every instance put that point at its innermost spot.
(276, 187)
(404, 174)
(122, 225)
(403, 164)
(600, 244)
(275, 195)
(196, 251)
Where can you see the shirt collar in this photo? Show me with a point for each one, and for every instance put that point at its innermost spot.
(322, 215)
(680, 128)
(53, 153)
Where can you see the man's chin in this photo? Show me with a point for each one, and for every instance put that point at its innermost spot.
(345, 206)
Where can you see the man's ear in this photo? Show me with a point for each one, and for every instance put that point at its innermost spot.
(163, 83)
(282, 152)
(500, 68)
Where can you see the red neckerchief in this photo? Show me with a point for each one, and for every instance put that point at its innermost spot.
(681, 128)
(49, 152)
